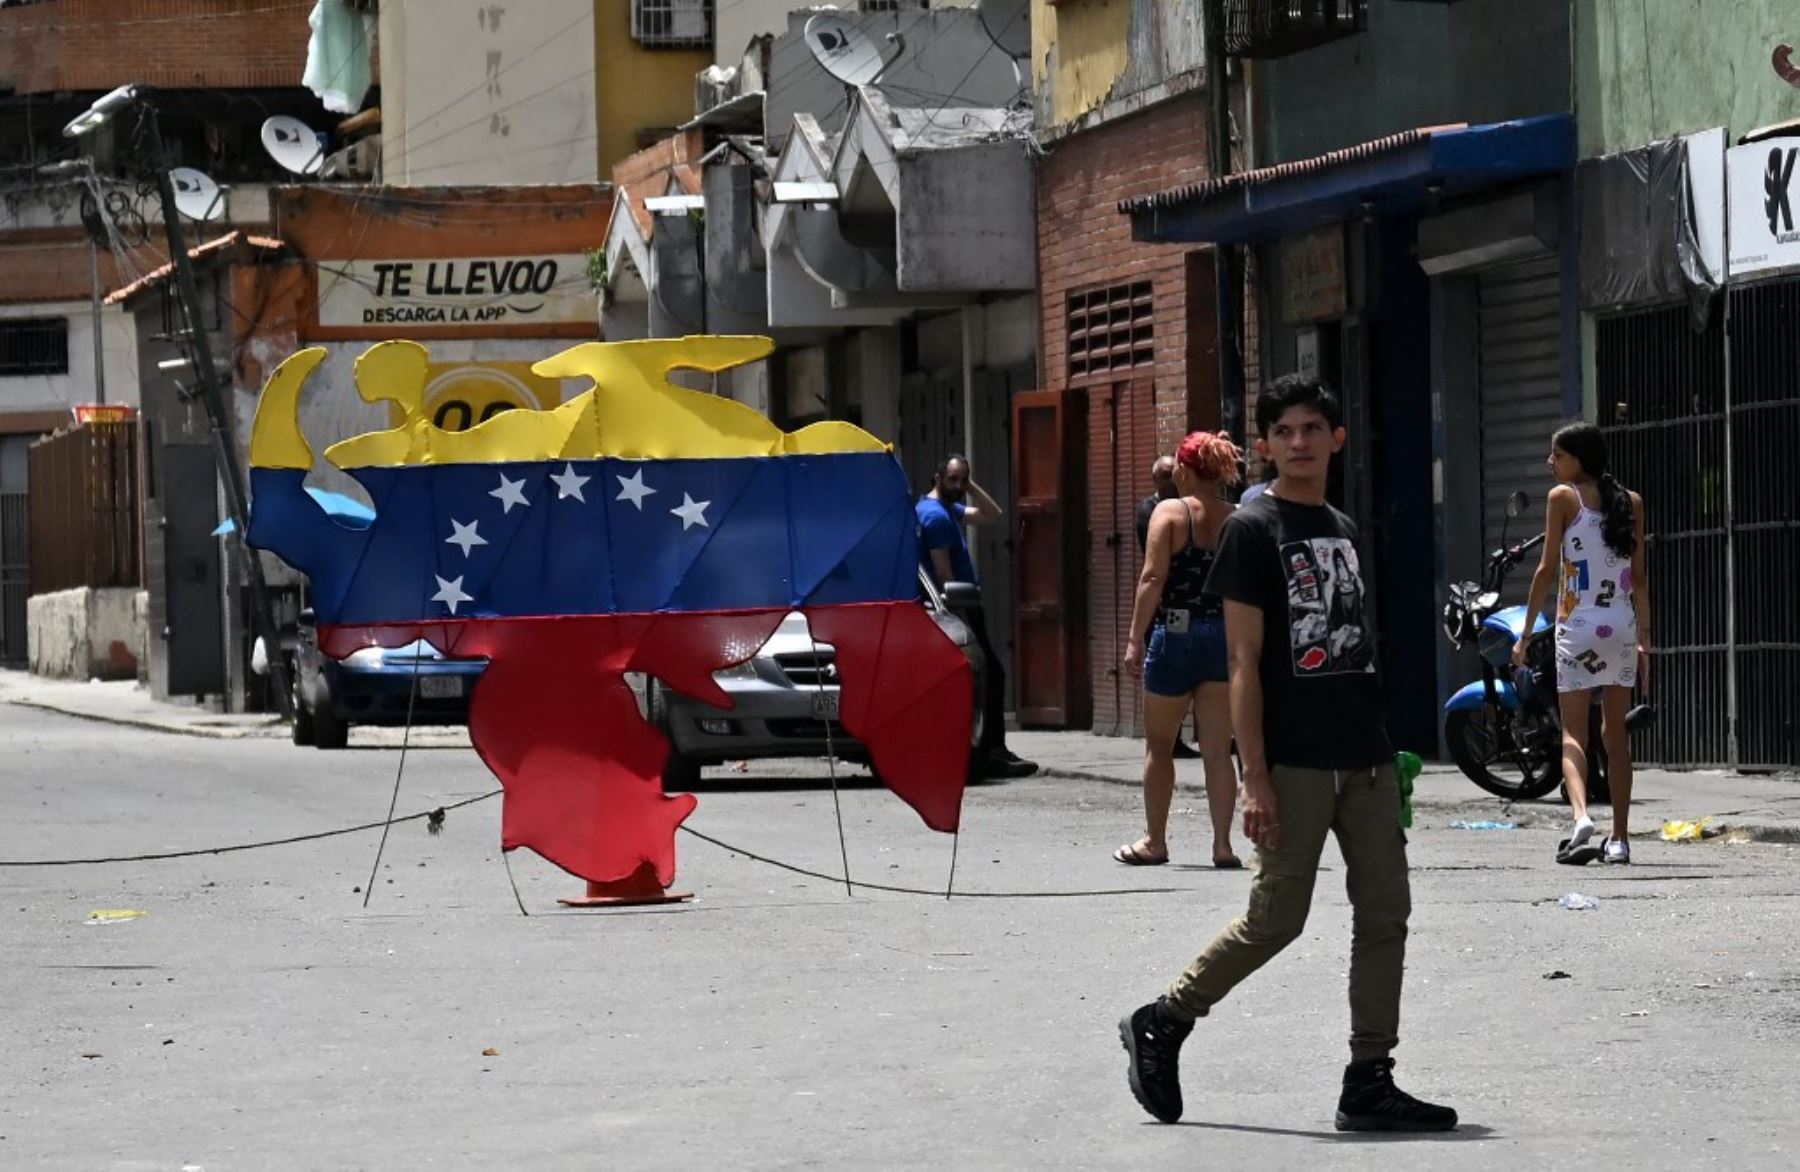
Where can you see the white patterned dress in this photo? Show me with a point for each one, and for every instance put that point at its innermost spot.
(1596, 625)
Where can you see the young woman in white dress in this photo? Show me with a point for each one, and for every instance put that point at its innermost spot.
(1594, 555)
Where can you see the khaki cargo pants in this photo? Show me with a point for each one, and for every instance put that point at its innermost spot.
(1363, 808)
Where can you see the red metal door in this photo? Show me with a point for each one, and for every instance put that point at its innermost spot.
(1049, 570)
(1122, 430)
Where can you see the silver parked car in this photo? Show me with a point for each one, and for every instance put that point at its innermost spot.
(783, 696)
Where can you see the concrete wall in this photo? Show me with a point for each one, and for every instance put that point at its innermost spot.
(1092, 54)
(1010, 331)
(948, 60)
(85, 634)
(1652, 69)
(1418, 65)
(959, 219)
(737, 22)
(475, 92)
(118, 332)
(872, 379)
(638, 90)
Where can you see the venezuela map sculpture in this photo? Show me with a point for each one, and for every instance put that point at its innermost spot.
(639, 527)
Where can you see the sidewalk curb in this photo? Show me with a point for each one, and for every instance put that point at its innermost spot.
(1727, 832)
(149, 723)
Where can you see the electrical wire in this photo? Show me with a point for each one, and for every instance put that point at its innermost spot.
(236, 848)
(412, 691)
(830, 752)
(722, 844)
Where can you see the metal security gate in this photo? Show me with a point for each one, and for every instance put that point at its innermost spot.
(1764, 329)
(1725, 532)
(15, 576)
(1662, 387)
(1519, 326)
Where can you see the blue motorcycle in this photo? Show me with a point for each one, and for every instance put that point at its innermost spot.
(1504, 730)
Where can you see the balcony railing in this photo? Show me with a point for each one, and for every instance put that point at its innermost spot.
(1276, 28)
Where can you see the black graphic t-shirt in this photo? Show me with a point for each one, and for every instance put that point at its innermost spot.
(1322, 700)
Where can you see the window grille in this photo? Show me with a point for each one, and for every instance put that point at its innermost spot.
(1110, 328)
(34, 346)
(672, 24)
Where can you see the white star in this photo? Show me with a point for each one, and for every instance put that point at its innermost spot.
(569, 484)
(510, 493)
(691, 512)
(634, 489)
(465, 536)
(450, 593)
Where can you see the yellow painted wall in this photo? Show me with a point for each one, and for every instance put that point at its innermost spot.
(1079, 50)
(636, 87)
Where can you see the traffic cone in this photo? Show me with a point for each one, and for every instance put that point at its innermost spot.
(639, 888)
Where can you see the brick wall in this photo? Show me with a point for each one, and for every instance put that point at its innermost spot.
(1084, 241)
(177, 44)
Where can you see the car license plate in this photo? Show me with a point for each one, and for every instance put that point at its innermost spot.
(440, 687)
(825, 705)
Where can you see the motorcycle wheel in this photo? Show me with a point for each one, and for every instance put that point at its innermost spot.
(1481, 745)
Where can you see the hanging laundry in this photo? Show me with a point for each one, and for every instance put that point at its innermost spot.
(337, 56)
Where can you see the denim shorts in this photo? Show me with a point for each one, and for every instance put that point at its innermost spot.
(1174, 665)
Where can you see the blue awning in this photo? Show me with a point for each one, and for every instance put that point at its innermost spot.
(1404, 173)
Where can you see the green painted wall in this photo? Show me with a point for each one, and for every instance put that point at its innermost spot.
(1647, 70)
(1417, 65)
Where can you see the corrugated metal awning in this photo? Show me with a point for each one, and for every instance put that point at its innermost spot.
(219, 244)
(1402, 172)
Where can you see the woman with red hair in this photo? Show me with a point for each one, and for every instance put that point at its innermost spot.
(1183, 657)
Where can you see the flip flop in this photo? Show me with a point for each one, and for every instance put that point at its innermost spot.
(1232, 864)
(1132, 857)
(1581, 856)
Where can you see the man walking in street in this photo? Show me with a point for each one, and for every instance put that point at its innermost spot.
(1162, 488)
(1307, 704)
(955, 500)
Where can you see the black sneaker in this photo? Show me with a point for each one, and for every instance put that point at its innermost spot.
(1371, 1102)
(1153, 1039)
(1002, 763)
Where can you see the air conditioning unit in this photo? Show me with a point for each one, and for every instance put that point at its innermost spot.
(672, 24)
(359, 160)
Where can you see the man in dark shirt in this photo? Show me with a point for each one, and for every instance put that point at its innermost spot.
(1307, 706)
(1162, 488)
(944, 551)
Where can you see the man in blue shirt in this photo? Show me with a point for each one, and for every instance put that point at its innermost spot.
(956, 500)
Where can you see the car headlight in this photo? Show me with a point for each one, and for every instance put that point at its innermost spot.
(737, 671)
(367, 659)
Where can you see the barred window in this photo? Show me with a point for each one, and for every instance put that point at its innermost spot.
(33, 345)
(672, 24)
(1110, 329)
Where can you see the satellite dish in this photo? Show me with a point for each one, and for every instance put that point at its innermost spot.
(295, 145)
(1009, 23)
(843, 49)
(196, 196)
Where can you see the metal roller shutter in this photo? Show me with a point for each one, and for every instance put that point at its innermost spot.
(1520, 334)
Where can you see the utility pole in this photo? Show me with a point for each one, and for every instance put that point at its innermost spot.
(199, 347)
(84, 168)
(99, 342)
(1228, 282)
(223, 422)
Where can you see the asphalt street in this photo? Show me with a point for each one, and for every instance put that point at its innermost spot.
(256, 1015)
